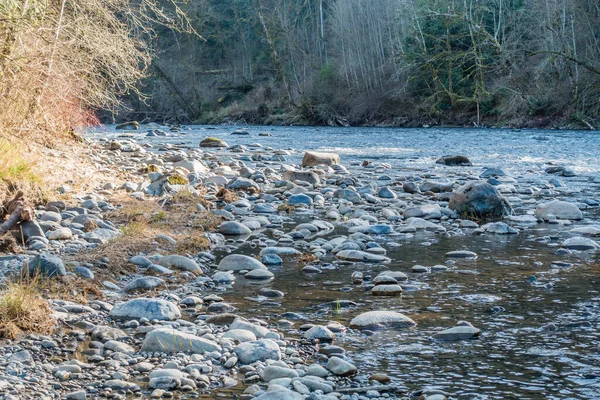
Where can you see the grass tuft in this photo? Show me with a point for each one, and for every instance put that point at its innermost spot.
(22, 309)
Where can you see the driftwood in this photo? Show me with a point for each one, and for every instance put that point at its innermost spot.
(18, 209)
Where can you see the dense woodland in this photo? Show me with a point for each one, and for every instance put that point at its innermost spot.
(389, 62)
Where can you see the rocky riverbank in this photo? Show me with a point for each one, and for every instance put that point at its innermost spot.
(161, 245)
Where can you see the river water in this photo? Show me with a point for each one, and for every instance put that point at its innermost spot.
(517, 356)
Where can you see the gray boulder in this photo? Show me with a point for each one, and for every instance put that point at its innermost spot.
(479, 199)
(239, 262)
(379, 319)
(44, 264)
(169, 340)
(258, 350)
(149, 308)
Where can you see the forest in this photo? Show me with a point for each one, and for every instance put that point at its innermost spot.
(388, 62)
(519, 63)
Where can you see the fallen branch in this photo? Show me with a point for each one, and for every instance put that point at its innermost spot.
(18, 209)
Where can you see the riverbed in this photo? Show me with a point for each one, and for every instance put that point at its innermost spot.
(539, 312)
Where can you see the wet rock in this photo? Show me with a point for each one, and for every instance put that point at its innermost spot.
(558, 209)
(169, 340)
(386, 193)
(457, 333)
(271, 259)
(356, 255)
(240, 335)
(349, 195)
(340, 367)
(499, 228)
(580, 243)
(320, 333)
(240, 262)
(428, 211)
(480, 199)
(386, 290)
(313, 158)
(213, 142)
(462, 254)
(234, 228)
(436, 186)
(373, 320)
(410, 187)
(280, 251)
(258, 350)
(454, 161)
(44, 264)
(259, 274)
(148, 308)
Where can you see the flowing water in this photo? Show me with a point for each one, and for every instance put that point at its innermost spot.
(516, 357)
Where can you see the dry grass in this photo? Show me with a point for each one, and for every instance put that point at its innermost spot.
(226, 195)
(286, 208)
(142, 221)
(70, 288)
(307, 258)
(22, 309)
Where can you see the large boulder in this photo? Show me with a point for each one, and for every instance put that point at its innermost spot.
(454, 161)
(169, 340)
(558, 209)
(304, 176)
(380, 319)
(149, 308)
(240, 262)
(44, 264)
(479, 199)
(258, 350)
(313, 158)
(213, 142)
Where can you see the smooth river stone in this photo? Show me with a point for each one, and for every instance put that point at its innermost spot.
(240, 262)
(356, 255)
(168, 340)
(462, 254)
(457, 333)
(380, 319)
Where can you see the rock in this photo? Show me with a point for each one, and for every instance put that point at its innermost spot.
(304, 176)
(340, 367)
(313, 158)
(169, 340)
(257, 330)
(59, 234)
(144, 283)
(356, 255)
(276, 372)
(273, 259)
(297, 199)
(386, 193)
(106, 333)
(386, 290)
(499, 228)
(259, 274)
(436, 186)
(280, 251)
(455, 161)
(234, 228)
(558, 209)
(427, 211)
(240, 335)
(148, 308)
(320, 333)
(78, 395)
(239, 262)
(457, 333)
(580, 243)
(462, 254)
(480, 199)
(349, 195)
(280, 394)
(44, 264)
(84, 272)
(213, 142)
(181, 263)
(373, 320)
(410, 187)
(258, 350)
